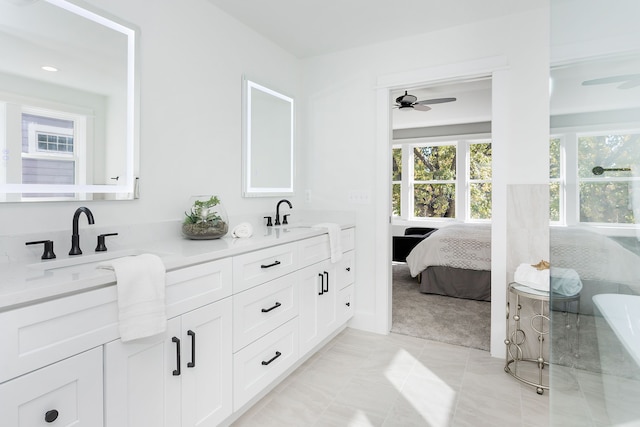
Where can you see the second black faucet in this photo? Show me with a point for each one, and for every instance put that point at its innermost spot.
(75, 237)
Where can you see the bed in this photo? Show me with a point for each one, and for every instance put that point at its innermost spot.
(454, 261)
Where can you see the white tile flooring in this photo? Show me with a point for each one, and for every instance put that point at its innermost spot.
(366, 379)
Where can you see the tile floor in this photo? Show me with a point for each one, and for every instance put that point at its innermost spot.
(365, 379)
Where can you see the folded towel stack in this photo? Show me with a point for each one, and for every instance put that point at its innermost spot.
(242, 230)
(141, 291)
(335, 244)
(565, 281)
(530, 276)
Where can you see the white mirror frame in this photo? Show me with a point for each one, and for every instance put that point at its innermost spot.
(250, 187)
(127, 189)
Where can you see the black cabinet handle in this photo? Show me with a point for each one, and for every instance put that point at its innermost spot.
(326, 274)
(278, 354)
(192, 334)
(51, 416)
(270, 265)
(266, 310)
(348, 304)
(176, 340)
(321, 284)
(348, 269)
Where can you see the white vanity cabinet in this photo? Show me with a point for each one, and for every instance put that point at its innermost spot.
(66, 393)
(181, 378)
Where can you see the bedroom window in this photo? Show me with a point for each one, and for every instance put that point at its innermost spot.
(606, 165)
(442, 180)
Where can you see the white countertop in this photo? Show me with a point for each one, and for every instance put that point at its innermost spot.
(25, 280)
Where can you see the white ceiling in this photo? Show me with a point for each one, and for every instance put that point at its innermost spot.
(308, 28)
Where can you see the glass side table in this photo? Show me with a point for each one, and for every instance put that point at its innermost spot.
(540, 324)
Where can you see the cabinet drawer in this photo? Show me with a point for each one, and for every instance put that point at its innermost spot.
(260, 363)
(257, 267)
(345, 272)
(192, 287)
(41, 334)
(348, 239)
(68, 393)
(261, 309)
(345, 304)
(317, 248)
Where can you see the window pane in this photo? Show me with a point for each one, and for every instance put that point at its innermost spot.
(554, 158)
(607, 151)
(434, 200)
(480, 161)
(554, 201)
(395, 199)
(435, 163)
(605, 202)
(480, 200)
(396, 172)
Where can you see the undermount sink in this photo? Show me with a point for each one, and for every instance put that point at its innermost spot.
(82, 260)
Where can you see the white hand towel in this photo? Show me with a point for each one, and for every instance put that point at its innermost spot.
(141, 290)
(242, 230)
(565, 281)
(335, 244)
(532, 277)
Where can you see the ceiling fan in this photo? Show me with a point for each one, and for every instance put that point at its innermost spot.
(627, 81)
(410, 102)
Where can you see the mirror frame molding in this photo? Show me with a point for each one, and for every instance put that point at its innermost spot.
(129, 187)
(248, 190)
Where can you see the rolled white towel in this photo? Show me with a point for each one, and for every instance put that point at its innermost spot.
(532, 277)
(565, 281)
(242, 230)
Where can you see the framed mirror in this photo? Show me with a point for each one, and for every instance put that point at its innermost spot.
(267, 142)
(68, 103)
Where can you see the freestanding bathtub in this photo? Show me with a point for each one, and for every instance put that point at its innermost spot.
(621, 393)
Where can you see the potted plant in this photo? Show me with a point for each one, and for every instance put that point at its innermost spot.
(205, 219)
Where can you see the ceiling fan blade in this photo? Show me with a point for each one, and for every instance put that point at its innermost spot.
(436, 101)
(612, 79)
(630, 84)
(421, 107)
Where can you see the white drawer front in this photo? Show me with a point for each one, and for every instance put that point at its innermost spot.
(348, 239)
(41, 334)
(68, 393)
(193, 287)
(263, 308)
(314, 250)
(345, 304)
(345, 272)
(260, 363)
(257, 267)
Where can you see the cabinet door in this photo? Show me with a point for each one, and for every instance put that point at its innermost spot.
(318, 295)
(67, 393)
(207, 364)
(140, 388)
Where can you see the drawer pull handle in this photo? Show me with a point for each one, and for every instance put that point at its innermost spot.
(278, 354)
(192, 334)
(51, 416)
(176, 340)
(348, 304)
(321, 284)
(348, 268)
(266, 310)
(326, 274)
(270, 265)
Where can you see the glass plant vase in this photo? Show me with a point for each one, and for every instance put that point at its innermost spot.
(205, 219)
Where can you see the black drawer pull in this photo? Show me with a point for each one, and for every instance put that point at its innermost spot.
(278, 354)
(326, 274)
(348, 268)
(348, 304)
(270, 265)
(266, 310)
(51, 416)
(321, 284)
(176, 340)
(192, 364)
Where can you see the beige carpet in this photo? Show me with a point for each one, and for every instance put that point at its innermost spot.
(438, 318)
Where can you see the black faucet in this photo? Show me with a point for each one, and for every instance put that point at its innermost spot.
(75, 237)
(278, 211)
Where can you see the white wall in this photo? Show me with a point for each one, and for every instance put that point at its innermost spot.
(340, 94)
(192, 59)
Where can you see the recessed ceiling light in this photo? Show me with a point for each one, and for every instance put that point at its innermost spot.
(49, 68)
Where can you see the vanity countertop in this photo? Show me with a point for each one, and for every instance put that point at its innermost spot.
(28, 280)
